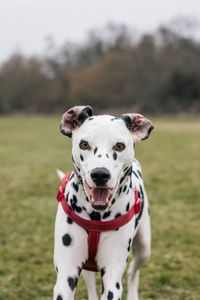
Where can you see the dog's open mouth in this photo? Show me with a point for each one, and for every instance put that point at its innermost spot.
(99, 197)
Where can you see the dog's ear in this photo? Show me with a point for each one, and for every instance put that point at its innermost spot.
(139, 126)
(73, 118)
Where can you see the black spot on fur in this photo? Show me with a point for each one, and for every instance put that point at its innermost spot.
(141, 191)
(113, 200)
(85, 113)
(66, 239)
(99, 155)
(73, 159)
(77, 208)
(72, 175)
(117, 215)
(102, 286)
(75, 186)
(113, 119)
(127, 173)
(79, 270)
(124, 189)
(118, 285)
(128, 122)
(73, 200)
(74, 206)
(56, 269)
(59, 297)
(78, 169)
(103, 271)
(80, 179)
(72, 281)
(129, 245)
(127, 207)
(95, 216)
(141, 196)
(81, 157)
(67, 197)
(107, 155)
(95, 150)
(91, 118)
(136, 175)
(69, 220)
(110, 295)
(120, 190)
(121, 179)
(114, 155)
(106, 214)
(140, 173)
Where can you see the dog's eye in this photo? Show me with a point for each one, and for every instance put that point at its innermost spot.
(84, 145)
(119, 147)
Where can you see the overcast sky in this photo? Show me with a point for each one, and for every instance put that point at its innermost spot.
(24, 24)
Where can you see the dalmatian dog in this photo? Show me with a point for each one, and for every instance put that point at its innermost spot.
(101, 188)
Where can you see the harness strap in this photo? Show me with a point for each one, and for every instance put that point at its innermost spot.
(95, 227)
(93, 242)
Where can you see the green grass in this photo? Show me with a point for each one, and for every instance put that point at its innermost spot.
(31, 148)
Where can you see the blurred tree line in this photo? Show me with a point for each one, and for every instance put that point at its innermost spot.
(155, 73)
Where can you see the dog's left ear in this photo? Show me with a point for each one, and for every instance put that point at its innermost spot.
(138, 125)
(73, 118)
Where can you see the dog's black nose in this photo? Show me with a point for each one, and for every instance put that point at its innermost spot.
(100, 176)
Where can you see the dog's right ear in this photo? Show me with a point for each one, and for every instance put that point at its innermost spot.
(73, 118)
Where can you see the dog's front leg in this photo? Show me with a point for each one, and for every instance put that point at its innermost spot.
(68, 267)
(111, 283)
(90, 280)
(112, 268)
(70, 253)
(65, 286)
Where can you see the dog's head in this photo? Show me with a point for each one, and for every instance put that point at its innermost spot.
(102, 149)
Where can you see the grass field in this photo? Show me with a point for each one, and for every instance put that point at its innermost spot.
(31, 148)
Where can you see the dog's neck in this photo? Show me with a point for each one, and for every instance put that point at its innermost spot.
(78, 200)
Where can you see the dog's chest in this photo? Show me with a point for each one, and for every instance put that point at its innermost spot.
(119, 239)
(122, 201)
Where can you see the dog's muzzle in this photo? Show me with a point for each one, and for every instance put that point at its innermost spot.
(100, 195)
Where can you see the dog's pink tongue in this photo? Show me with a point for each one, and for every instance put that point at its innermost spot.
(100, 195)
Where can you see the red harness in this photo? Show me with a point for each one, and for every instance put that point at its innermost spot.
(94, 228)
